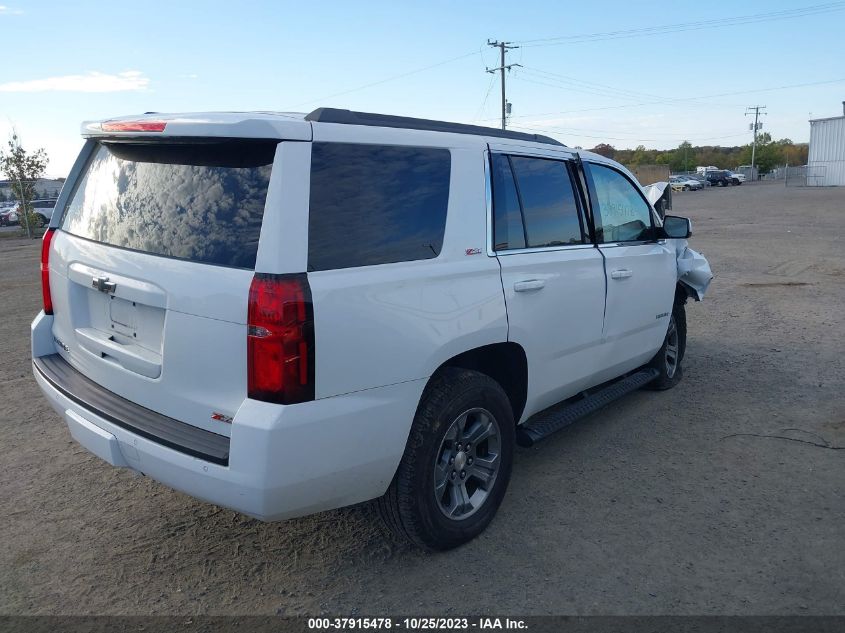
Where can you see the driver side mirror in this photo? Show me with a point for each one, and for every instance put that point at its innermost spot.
(676, 227)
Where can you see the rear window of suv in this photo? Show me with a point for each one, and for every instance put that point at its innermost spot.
(376, 204)
(199, 200)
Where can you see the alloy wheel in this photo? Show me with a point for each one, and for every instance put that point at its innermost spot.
(467, 463)
(672, 347)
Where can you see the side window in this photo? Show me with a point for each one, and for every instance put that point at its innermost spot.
(620, 212)
(376, 204)
(508, 232)
(534, 204)
(548, 202)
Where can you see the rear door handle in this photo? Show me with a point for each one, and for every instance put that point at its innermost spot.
(531, 284)
(622, 273)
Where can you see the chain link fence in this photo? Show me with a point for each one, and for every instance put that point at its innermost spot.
(805, 176)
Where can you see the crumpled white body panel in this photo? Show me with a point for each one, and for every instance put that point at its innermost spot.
(654, 191)
(693, 270)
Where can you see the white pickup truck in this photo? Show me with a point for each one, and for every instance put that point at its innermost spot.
(287, 313)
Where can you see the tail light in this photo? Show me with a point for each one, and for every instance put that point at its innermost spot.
(280, 339)
(45, 270)
(134, 126)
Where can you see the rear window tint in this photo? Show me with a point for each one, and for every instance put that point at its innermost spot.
(376, 204)
(508, 230)
(548, 202)
(200, 200)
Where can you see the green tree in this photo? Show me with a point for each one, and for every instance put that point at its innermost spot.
(792, 154)
(23, 169)
(639, 157)
(767, 156)
(683, 157)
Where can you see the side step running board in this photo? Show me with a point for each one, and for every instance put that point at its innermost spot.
(543, 424)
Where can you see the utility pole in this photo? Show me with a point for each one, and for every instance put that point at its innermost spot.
(756, 126)
(503, 47)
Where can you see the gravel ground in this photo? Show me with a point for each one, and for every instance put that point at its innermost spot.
(664, 503)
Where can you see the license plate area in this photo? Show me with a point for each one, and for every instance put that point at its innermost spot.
(124, 316)
(119, 320)
(128, 321)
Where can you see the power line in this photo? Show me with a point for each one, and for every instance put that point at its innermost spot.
(388, 79)
(657, 100)
(480, 110)
(565, 79)
(591, 87)
(551, 130)
(686, 26)
(722, 94)
(503, 47)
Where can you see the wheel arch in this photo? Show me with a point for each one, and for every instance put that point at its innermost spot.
(505, 362)
(682, 293)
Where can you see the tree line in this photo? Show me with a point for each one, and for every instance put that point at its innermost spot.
(686, 157)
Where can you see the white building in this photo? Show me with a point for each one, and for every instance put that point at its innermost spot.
(826, 161)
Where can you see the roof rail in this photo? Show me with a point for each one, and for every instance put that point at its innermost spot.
(349, 117)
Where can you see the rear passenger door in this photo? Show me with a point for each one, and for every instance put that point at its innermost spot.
(641, 270)
(553, 277)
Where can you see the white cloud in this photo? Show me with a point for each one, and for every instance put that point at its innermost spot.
(4, 10)
(90, 82)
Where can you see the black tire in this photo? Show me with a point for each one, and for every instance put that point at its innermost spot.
(671, 374)
(42, 221)
(410, 507)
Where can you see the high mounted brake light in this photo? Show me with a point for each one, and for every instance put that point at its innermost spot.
(45, 270)
(280, 339)
(134, 126)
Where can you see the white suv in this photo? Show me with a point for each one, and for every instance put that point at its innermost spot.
(284, 314)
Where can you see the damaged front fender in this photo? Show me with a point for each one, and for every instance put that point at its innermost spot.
(693, 270)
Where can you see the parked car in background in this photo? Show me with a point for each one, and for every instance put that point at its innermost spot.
(685, 183)
(43, 210)
(701, 178)
(8, 215)
(719, 177)
(737, 178)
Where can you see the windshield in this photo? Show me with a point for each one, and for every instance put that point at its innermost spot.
(201, 200)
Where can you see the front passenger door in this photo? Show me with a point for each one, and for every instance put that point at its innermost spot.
(640, 270)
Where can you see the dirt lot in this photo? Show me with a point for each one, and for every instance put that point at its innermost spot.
(652, 506)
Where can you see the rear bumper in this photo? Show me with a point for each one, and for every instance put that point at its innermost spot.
(58, 373)
(283, 461)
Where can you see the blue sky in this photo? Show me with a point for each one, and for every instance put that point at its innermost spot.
(69, 61)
